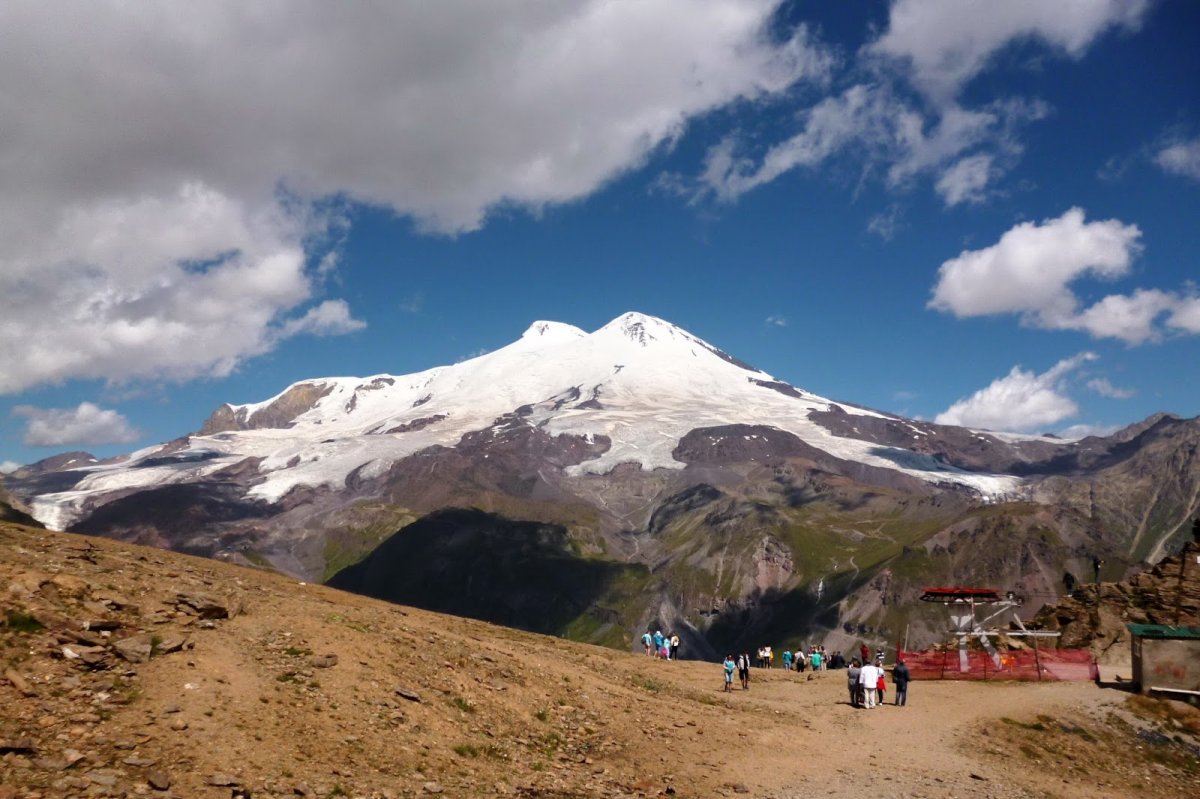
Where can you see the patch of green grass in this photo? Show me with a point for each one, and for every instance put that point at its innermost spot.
(542, 714)
(293, 652)
(21, 622)
(466, 750)
(462, 704)
(289, 676)
(649, 684)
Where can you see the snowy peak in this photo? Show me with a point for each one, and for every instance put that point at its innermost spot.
(552, 332)
(642, 329)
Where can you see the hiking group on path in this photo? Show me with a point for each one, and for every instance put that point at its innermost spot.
(865, 678)
(661, 646)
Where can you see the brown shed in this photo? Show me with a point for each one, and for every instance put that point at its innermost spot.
(1166, 658)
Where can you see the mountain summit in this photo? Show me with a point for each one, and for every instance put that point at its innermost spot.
(669, 480)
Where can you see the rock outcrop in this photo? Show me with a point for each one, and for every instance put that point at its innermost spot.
(1095, 615)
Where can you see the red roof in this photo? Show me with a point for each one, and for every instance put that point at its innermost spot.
(959, 593)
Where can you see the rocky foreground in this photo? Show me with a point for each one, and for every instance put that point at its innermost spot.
(127, 671)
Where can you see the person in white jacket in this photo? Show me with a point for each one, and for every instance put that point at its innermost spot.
(868, 678)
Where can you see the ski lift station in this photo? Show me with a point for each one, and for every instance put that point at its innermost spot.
(1166, 659)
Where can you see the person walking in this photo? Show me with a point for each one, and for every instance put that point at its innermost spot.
(852, 675)
(743, 667)
(729, 666)
(900, 677)
(674, 646)
(815, 660)
(787, 660)
(868, 678)
(647, 641)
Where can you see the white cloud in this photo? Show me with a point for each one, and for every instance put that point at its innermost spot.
(777, 321)
(878, 127)
(966, 180)
(1130, 318)
(936, 46)
(885, 224)
(1078, 431)
(168, 287)
(1019, 401)
(1029, 269)
(87, 424)
(1104, 388)
(1029, 272)
(948, 42)
(8, 467)
(142, 234)
(1181, 158)
(1185, 316)
(330, 318)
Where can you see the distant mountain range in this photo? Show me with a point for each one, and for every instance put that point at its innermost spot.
(592, 484)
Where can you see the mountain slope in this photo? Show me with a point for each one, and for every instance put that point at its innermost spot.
(680, 486)
(200, 679)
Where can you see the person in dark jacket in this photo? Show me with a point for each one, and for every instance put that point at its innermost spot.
(852, 674)
(900, 678)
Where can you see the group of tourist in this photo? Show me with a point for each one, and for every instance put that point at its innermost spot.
(865, 677)
(661, 646)
(867, 683)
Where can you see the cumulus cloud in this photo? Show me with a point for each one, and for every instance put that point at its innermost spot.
(8, 467)
(1104, 388)
(1029, 272)
(1181, 158)
(166, 287)
(777, 321)
(1185, 316)
(142, 231)
(1019, 401)
(63, 427)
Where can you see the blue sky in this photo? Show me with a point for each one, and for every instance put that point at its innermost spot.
(979, 213)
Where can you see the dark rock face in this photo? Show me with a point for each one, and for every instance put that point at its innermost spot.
(682, 503)
(185, 517)
(739, 443)
(471, 563)
(417, 424)
(11, 511)
(785, 389)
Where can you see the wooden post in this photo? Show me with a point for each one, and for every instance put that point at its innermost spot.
(1037, 659)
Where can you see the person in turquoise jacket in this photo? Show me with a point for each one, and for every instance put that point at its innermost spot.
(729, 667)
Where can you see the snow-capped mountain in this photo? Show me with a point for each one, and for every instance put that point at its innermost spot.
(638, 382)
(632, 474)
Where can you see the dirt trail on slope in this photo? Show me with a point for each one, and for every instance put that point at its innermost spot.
(287, 689)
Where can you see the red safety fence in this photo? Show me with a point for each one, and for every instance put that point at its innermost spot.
(1045, 664)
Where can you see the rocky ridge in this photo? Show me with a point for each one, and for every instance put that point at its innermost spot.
(1094, 615)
